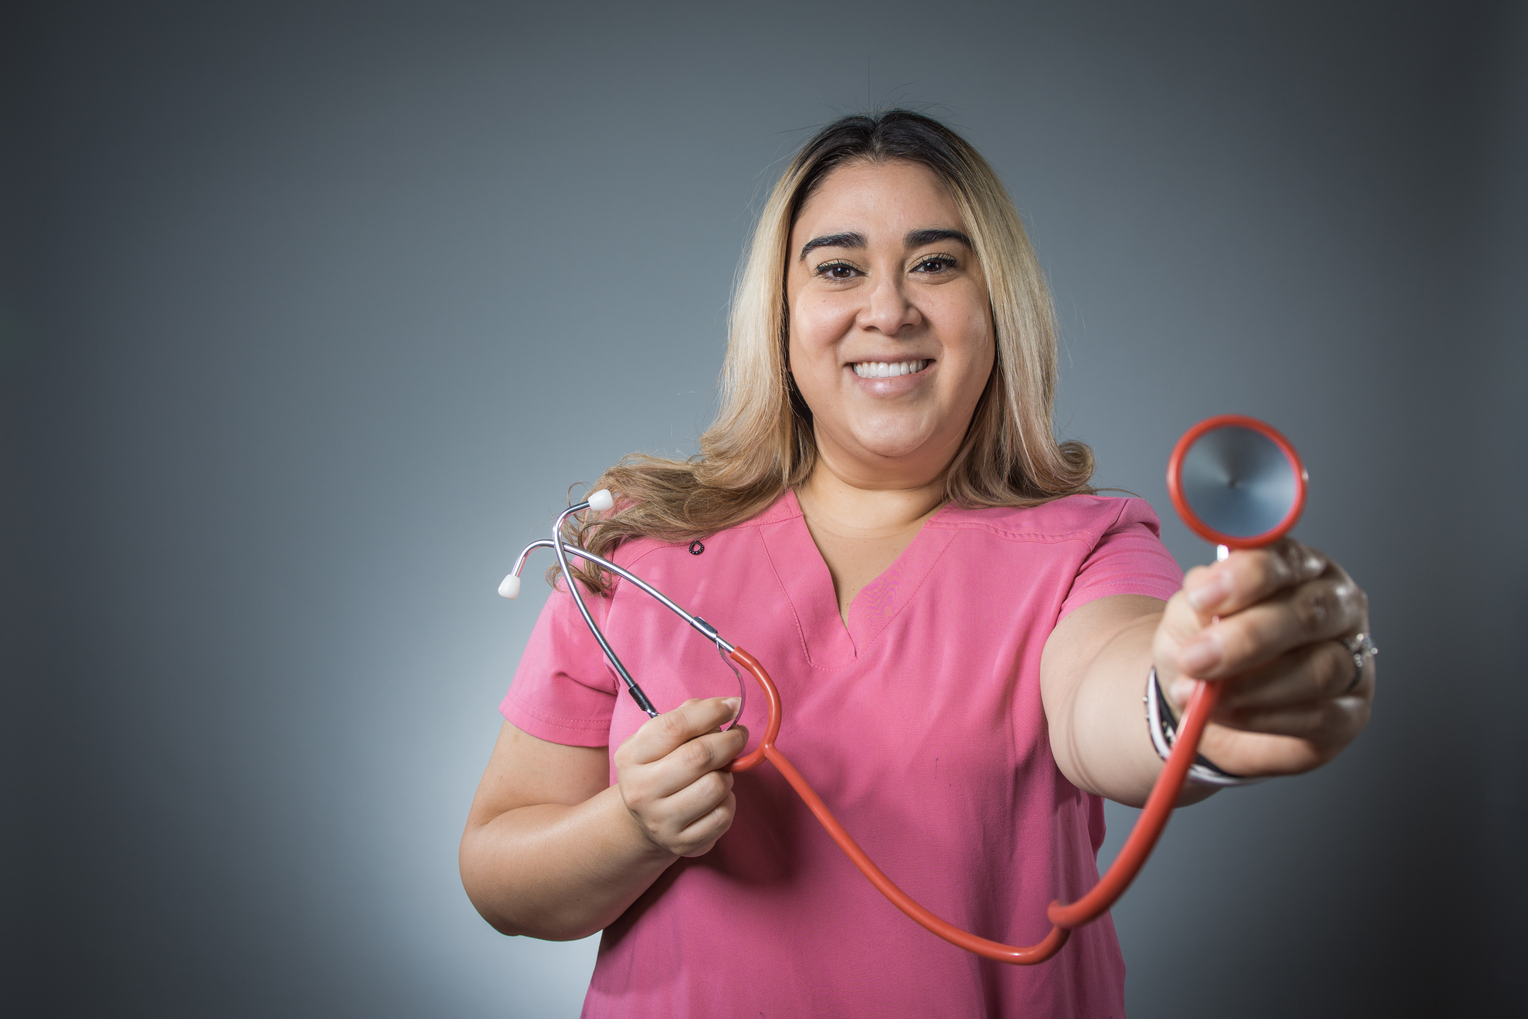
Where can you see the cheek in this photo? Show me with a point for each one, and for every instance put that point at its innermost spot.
(814, 371)
(818, 321)
(815, 328)
(968, 336)
(985, 352)
(980, 334)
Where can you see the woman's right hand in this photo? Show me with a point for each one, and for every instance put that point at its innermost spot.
(670, 775)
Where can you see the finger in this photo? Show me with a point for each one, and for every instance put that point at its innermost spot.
(1249, 576)
(686, 763)
(666, 817)
(1180, 625)
(1258, 754)
(696, 800)
(706, 753)
(702, 835)
(1328, 724)
(660, 736)
(1312, 672)
(1314, 611)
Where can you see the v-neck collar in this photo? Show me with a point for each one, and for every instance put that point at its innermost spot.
(827, 642)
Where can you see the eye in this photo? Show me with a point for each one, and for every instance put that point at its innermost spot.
(836, 271)
(935, 264)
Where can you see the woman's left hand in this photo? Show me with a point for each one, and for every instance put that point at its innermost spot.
(1270, 623)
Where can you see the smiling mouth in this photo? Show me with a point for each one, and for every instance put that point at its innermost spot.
(888, 369)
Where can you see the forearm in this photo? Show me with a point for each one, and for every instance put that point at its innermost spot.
(559, 872)
(1098, 728)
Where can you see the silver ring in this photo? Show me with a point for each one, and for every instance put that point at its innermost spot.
(1360, 647)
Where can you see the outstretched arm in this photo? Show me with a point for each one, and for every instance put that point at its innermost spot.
(1269, 623)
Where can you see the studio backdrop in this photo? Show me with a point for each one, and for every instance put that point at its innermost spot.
(310, 314)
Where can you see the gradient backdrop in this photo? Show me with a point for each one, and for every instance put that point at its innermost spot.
(310, 314)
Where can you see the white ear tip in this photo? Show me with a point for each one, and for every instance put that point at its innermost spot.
(601, 501)
(509, 587)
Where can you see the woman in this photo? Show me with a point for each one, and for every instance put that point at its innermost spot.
(960, 629)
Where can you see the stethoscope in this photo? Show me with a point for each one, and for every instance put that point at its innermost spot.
(1235, 481)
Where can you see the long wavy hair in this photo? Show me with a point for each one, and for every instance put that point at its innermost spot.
(761, 442)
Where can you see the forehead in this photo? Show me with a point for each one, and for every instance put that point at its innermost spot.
(893, 198)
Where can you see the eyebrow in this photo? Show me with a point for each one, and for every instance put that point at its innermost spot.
(918, 238)
(915, 239)
(849, 240)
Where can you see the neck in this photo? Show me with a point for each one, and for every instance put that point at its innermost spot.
(855, 506)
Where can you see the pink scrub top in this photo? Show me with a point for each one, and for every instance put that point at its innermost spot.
(919, 724)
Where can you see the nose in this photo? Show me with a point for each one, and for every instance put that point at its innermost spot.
(888, 310)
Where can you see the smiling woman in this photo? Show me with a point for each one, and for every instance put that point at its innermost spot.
(882, 482)
(763, 441)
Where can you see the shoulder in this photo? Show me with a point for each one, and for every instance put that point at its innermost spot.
(781, 511)
(1084, 518)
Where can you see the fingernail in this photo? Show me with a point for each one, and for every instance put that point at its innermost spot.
(733, 703)
(1209, 592)
(1182, 690)
(1201, 655)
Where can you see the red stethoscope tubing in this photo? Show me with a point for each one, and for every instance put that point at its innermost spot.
(1064, 918)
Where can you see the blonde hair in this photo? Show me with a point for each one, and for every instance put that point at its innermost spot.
(761, 442)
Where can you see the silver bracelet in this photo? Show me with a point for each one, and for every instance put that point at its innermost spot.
(1164, 731)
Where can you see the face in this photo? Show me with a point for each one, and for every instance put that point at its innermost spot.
(891, 338)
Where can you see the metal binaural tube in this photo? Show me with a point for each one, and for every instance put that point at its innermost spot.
(702, 627)
(563, 550)
(567, 571)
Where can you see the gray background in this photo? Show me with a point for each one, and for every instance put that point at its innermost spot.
(311, 314)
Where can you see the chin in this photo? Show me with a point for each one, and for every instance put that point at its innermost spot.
(894, 447)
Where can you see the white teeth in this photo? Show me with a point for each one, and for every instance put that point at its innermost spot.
(888, 369)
